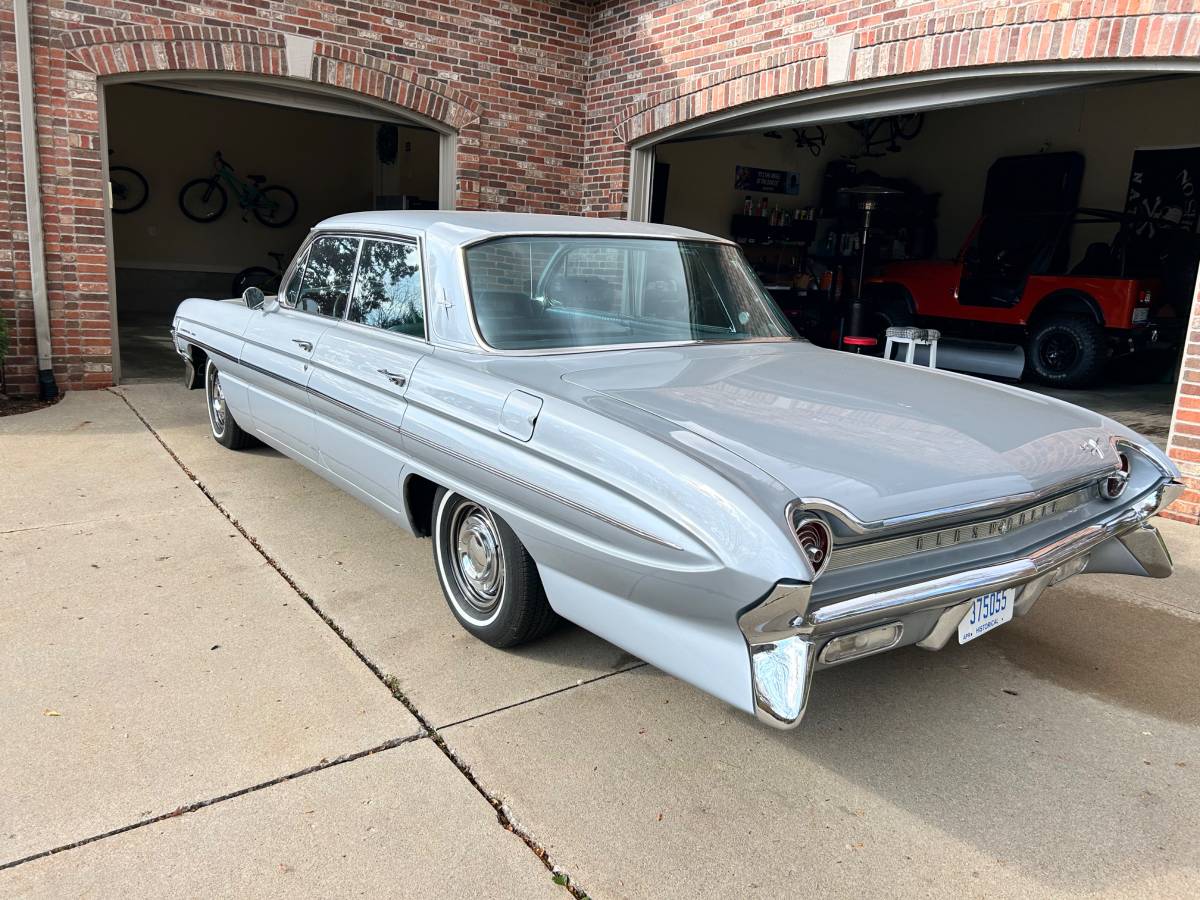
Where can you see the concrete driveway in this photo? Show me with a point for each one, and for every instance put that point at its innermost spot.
(222, 676)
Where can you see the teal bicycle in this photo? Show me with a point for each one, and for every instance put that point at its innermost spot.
(206, 199)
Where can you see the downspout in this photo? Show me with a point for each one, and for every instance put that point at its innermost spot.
(47, 388)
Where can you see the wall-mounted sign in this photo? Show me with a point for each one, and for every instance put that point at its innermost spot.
(765, 181)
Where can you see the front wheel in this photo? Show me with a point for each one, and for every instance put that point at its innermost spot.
(276, 206)
(203, 200)
(490, 581)
(1066, 351)
(225, 430)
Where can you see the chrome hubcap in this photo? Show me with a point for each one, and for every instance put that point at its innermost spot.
(216, 401)
(478, 561)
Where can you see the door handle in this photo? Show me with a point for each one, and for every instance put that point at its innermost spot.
(397, 378)
(306, 346)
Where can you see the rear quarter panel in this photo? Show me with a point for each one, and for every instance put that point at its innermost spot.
(637, 541)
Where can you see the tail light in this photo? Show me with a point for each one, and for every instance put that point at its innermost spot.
(1144, 298)
(815, 540)
(1114, 485)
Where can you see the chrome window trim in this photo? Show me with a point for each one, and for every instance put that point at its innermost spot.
(312, 239)
(465, 287)
(598, 235)
(392, 239)
(301, 254)
(492, 470)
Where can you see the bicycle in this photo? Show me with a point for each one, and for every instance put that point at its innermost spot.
(887, 131)
(205, 199)
(266, 280)
(128, 188)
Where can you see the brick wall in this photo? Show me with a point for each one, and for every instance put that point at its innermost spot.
(508, 76)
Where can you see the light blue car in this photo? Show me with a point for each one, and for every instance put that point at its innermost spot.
(611, 423)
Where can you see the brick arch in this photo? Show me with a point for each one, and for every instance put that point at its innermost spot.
(992, 36)
(245, 51)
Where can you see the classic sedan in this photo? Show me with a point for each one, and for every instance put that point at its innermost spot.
(612, 423)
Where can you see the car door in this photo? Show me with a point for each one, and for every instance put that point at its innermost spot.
(361, 371)
(281, 339)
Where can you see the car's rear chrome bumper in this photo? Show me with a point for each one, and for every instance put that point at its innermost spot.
(785, 637)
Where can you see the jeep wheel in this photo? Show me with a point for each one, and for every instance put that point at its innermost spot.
(1065, 351)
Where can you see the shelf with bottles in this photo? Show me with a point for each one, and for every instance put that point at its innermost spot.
(771, 229)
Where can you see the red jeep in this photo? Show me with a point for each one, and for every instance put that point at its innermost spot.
(1005, 285)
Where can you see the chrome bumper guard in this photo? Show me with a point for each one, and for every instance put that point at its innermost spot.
(784, 636)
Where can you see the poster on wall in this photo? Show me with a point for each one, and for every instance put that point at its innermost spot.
(765, 181)
(1161, 199)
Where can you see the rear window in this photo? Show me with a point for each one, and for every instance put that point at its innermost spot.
(563, 292)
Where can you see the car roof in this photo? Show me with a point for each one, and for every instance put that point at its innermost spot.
(468, 227)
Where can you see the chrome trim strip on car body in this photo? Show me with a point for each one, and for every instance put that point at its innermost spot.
(949, 514)
(783, 646)
(895, 548)
(541, 491)
(946, 513)
(492, 470)
(373, 419)
(959, 586)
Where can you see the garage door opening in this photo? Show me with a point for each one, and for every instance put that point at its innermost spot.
(1051, 239)
(210, 193)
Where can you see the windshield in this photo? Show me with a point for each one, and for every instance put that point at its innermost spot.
(535, 293)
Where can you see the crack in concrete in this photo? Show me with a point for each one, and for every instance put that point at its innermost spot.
(201, 804)
(537, 697)
(390, 682)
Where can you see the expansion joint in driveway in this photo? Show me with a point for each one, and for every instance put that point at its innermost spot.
(390, 682)
(201, 804)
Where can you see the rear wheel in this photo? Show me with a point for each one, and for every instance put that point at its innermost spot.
(225, 430)
(490, 581)
(1066, 351)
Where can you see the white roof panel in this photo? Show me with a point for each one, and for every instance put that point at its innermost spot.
(466, 227)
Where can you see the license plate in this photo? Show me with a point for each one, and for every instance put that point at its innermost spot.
(986, 612)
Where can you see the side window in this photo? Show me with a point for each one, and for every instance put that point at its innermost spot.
(326, 280)
(292, 291)
(387, 292)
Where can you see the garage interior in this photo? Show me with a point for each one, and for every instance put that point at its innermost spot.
(794, 195)
(332, 162)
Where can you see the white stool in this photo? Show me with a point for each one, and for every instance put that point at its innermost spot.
(927, 337)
